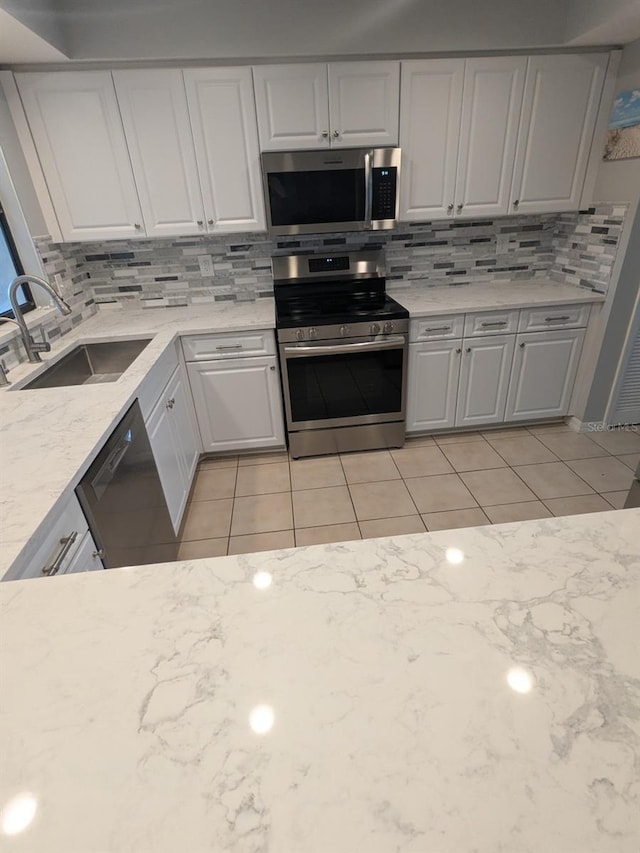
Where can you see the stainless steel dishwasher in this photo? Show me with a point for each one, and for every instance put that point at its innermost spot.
(122, 498)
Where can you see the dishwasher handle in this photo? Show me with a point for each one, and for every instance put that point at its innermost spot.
(108, 470)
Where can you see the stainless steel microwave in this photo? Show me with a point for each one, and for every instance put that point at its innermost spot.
(349, 189)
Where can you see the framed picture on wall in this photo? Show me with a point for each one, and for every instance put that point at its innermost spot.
(623, 139)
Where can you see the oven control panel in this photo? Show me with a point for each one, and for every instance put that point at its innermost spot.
(352, 330)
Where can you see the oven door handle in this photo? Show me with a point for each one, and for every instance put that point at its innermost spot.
(339, 349)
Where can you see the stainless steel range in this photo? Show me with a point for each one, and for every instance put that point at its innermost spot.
(343, 346)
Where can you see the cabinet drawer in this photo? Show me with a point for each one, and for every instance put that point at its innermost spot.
(233, 345)
(59, 539)
(436, 328)
(554, 317)
(490, 323)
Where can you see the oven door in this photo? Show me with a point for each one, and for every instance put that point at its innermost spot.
(344, 383)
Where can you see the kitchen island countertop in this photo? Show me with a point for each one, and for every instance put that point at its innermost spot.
(386, 677)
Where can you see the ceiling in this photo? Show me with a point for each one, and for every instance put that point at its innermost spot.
(92, 30)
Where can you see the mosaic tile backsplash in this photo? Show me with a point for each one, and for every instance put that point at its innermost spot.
(585, 246)
(74, 287)
(577, 247)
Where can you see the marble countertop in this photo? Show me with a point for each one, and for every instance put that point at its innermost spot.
(345, 698)
(48, 437)
(424, 301)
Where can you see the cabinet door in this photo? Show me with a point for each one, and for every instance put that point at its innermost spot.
(544, 370)
(430, 105)
(432, 388)
(168, 454)
(77, 131)
(154, 112)
(184, 428)
(561, 100)
(226, 141)
(364, 103)
(238, 403)
(484, 380)
(292, 104)
(491, 106)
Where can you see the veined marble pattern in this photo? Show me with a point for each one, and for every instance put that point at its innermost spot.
(128, 694)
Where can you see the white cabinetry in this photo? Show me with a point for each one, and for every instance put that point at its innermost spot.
(314, 105)
(434, 371)
(226, 144)
(76, 127)
(544, 370)
(236, 392)
(154, 112)
(484, 380)
(493, 375)
(561, 100)
(493, 88)
(174, 444)
(64, 545)
(431, 101)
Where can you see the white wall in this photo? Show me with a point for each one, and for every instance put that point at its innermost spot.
(241, 29)
(619, 180)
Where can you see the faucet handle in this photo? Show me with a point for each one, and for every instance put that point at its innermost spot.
(40, 346)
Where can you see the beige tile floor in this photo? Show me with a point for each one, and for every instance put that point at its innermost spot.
(265, 501)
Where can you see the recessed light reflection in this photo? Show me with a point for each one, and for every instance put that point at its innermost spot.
(454, 555)
(519, 679)
(18, 813)
(262, 580)
(261, 719)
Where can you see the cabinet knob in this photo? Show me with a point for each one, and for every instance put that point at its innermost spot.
(516, 202)
(336, 134)
(199, 223)
(210, 222)
(522, 345)
(272, 367)
(450, 208)
(468, 349)
(325, 134)
(459, 350)
(137, 226)
(460, 206)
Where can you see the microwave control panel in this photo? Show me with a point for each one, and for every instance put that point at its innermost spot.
(384, 179)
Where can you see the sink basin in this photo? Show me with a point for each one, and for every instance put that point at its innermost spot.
(88, 364)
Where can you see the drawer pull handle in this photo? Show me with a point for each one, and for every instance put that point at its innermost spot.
(438, 329)
(497, 323)
(66, 542)
(229, 347)
(562, 319)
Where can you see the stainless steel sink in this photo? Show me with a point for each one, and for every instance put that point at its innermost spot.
(88, 364)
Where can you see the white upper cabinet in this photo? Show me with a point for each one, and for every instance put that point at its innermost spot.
(226, 143)
(315, 105)
(292, 104)
(77, 131)
(491, 105)
(431, 103)
(561, 101)
(364, 103)
(154, 112)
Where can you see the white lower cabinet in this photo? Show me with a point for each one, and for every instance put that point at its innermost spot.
(484, 380)
(544, 370)
(434, 370)
(175, 445)
(238, 403)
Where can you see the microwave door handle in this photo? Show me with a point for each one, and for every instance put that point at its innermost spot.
(368, 189)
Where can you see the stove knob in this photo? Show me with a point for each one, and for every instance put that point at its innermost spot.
(344, 331)
(375, 329)
(313, 334)
(388, 327)
(300, 335)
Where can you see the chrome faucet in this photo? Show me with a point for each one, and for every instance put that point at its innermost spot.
(32, 347)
